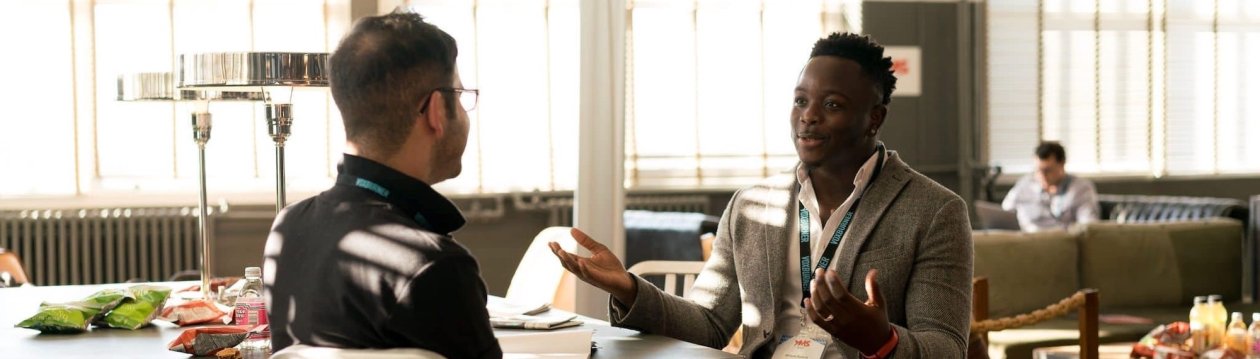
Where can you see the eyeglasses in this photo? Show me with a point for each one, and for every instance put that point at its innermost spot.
(467, 97)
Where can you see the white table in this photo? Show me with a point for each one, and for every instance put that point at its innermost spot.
(17, 304)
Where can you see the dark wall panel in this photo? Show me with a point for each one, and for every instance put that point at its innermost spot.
(924, 129)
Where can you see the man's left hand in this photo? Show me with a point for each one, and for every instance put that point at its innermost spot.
(862, 325)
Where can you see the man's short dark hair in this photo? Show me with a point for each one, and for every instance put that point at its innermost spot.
(381, 73)
(863, 50)
(1046, 150)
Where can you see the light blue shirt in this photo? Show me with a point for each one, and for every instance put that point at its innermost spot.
(1076, 202)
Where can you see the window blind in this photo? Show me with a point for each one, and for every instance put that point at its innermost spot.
(1127, 86)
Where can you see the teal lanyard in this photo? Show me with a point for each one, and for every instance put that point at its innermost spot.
(380, 190)
(830, 250)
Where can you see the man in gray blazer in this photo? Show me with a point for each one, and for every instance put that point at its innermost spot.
(887, 257)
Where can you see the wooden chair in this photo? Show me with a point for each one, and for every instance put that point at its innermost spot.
(672, 270)
(1085, 301)
(12, 264)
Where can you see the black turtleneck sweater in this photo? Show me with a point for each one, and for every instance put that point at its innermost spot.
(370, 263)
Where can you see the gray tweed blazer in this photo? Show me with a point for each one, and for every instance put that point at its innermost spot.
(915, 231)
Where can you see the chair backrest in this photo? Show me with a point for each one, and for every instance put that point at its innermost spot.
(300, 351)
(671, 270)
(992, 216)
(1146, 208)
(10, 263)
(540, 278)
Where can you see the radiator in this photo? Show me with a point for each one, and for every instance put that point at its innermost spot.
(94, 246)
(562, 208)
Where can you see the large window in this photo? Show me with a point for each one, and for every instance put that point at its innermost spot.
(37, 117)
(523, 56)
(709, 87)
(66, 132)
(1130, 87)
(708, 92)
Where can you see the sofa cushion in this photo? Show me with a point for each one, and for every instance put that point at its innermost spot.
(1131, 265)
(1144, 265)
(1209, 258)
(1026, 271)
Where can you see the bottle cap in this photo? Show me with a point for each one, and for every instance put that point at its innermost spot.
(1200, 299)
(1214, 297)
(253, 272)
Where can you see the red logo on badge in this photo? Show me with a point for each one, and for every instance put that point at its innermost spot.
(802, 343)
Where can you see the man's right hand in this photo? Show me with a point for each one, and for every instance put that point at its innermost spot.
(602, 269)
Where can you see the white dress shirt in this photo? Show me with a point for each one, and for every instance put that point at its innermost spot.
(1076, 202)
(789, 306)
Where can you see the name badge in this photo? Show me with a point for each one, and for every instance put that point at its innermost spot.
(810, 343)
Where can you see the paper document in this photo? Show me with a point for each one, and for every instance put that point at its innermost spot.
(504, 308)
(571, 343)
(534, 322)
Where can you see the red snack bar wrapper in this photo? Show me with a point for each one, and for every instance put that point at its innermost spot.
(208, 341)
(1175, 333)
(1165, 341)
(192, 312)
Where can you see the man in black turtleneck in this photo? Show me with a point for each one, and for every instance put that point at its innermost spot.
(370, 263)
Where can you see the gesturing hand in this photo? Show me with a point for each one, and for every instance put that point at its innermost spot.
(862, 325)
(602, 269)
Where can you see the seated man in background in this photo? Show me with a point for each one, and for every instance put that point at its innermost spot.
(370, 263)
(1049, 198)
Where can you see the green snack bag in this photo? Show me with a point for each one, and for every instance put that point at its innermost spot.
(67, 318)
(139, 310)
(104, 301)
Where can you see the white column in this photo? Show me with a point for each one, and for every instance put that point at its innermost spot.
(82, 30)
(600, 195)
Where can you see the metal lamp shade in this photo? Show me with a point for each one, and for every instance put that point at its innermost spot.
(146, 86)
(253, 69)
(160, 86)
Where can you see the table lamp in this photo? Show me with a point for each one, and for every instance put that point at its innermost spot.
(159, 86)
(258, 71)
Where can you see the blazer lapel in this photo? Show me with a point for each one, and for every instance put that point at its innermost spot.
(775, 236)
(881, 194)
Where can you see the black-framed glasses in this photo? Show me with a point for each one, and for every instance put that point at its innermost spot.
(467, 97)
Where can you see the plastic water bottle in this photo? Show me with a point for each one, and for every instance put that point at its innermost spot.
(1198, 325)
(1236, 335)
(1253, 337)
(1219, 317)
(251, 310)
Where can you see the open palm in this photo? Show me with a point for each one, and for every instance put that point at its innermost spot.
(602, 269)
